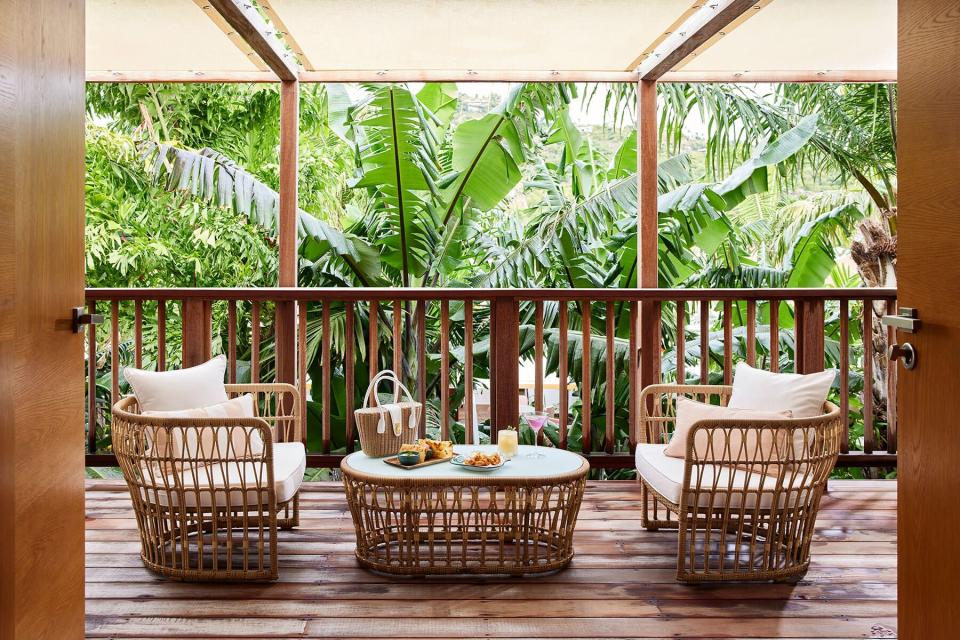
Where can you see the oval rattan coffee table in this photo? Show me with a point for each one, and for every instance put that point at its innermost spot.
(443, 519)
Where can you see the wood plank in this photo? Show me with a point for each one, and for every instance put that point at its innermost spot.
(586, 393)
(709, 20)
(138, 334)
(610, 381)
(845, 374)
(445, 370)
(704, 342)
(254, 341)
(255, 31)
(232, 341)
(114, 352)
(327, 366)
(468, 368)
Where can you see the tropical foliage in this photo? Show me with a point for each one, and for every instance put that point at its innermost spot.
(415, 186)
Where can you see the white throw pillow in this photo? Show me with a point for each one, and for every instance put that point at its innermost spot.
(760, 390)
(191, 388)
(240, 407)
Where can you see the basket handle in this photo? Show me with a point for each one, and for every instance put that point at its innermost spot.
(398, 386)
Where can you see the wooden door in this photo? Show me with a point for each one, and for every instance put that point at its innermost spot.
(929, 280)
(41, 359)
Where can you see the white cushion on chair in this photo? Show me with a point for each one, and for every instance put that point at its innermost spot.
(289, 464)
(665, 474)
(200, 386)
(239, 407)
(761, 390)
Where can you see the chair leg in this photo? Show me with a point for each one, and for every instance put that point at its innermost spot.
(292, 511)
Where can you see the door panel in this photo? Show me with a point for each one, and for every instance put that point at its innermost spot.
(928, 267)
(41, 359)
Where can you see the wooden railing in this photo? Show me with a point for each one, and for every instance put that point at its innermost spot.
(439, 339)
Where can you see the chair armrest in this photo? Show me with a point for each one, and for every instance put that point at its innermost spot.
(279, 404)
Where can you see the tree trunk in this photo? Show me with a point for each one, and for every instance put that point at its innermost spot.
(875, 256)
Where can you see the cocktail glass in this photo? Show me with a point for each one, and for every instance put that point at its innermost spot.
(536, 420)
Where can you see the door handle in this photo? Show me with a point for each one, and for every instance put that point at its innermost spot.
(81, 317)
(907, 320)
(905, 353)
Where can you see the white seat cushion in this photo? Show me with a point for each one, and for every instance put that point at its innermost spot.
(665, 474)
(207, 481)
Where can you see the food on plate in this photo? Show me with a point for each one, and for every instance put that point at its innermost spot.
(420, 449)
(480, 459)
(437, 448)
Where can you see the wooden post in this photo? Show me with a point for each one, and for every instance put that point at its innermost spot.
(647, 229)
(286, 318)
(504, 365)
(808, 335)
(196, 331)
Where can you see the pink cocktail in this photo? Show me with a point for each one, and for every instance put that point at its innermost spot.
(536, 420)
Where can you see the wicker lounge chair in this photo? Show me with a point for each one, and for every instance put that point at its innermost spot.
(744, 512)
(208, 509)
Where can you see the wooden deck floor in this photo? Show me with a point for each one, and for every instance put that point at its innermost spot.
(621, 583)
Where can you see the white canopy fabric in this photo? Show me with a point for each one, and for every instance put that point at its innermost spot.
(182, 36)
(808, 35)
(158, 35)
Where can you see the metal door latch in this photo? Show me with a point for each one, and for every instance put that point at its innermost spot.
(906, 321)
(905, 353)
(81, 317)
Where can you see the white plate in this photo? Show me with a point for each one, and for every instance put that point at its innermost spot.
(458, 460)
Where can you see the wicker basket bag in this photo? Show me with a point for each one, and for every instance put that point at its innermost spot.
(384, 428)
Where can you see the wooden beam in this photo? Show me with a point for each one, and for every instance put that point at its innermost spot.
(251, 26)
(647, 244)
(809, 76)
(289, 150)
(284, 32)
(692, 9)
(746, 76)
(700, 27)
(107, 75)
(466, 75)
(722, 33)
(232, 34)
(286, 317)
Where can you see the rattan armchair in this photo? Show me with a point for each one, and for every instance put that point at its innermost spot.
(744, 512)
(208, 509)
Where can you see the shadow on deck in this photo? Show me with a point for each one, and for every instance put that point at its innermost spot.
(621, 583)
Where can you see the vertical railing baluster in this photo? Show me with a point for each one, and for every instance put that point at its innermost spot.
(610, 434)
(633, 362)
(564, 375)
(845, 374)
(470, 425)
(538, 356)
(704, 342)
(138, 334)
(774, 336)
(681, 348)
(727, 341)
(232, 341)
(373, 345)
(752, 332)
(255, 342)
(398, 339)
(161, 335)
(114, 352)
(891, 385)
(327, 366)
(585, 390)
(445, 370)
(302, 366)
(867, 331)
(422, 365)
(348, 370)
(92, 381)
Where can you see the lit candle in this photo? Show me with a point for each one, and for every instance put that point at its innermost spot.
(507, 443)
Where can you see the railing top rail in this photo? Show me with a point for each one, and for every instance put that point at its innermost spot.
(348, 294)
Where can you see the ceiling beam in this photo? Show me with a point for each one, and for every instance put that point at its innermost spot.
(884, 76)
(705, 23)
(250, 25)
